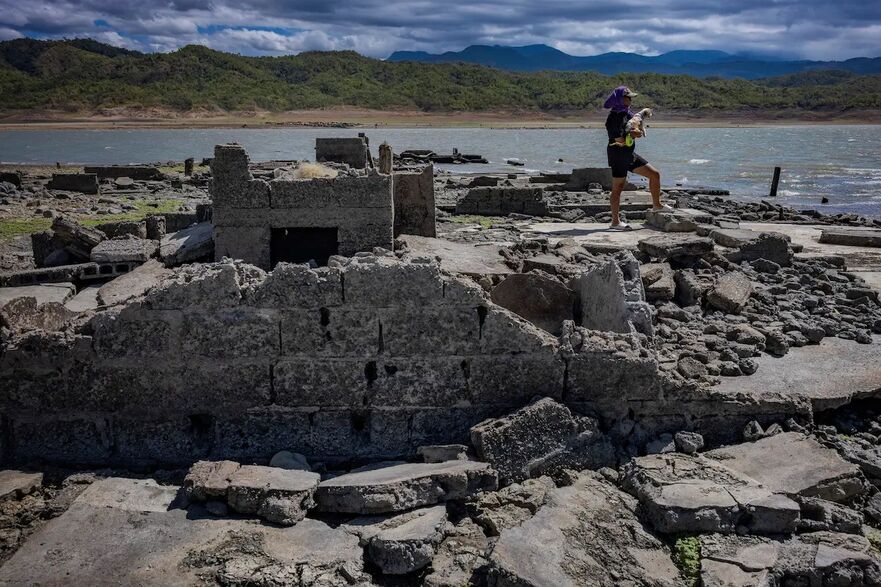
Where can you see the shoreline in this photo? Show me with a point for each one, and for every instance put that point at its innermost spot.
(351, 118)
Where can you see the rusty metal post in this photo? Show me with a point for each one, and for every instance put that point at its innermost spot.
(774, 182)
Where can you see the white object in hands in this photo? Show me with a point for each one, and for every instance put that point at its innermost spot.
(637, 121)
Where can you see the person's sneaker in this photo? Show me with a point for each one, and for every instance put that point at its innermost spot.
(620, 226)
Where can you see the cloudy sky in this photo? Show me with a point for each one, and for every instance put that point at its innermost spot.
(813, 29)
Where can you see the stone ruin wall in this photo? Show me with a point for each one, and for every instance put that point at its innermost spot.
(369, 358)
(245, 210)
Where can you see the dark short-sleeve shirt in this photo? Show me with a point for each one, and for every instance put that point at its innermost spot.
(616, 126)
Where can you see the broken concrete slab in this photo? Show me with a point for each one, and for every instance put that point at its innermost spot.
(677, 220)
(671, 246)
(404, 543)
(817, 558)
(828, 375)
(794, 464)
(77, 239)
(131, 495)
(733, 237)
(857, 237)
(208, 480)
(688, 494)
(586, 534)
(658, 280)
(23, 314)
(538, 297)
(510, 506)
(459, 557)
(771, 246)
(85, 301)
(282, 496)
(134, 283)
(15, 484)
(43, 294)
(124, 250)
(461, 258)
(188, 245)
(129, 532)
(404, 486)
(540, 438)
(731, 292)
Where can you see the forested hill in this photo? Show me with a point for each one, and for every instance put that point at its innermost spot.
(84, 75)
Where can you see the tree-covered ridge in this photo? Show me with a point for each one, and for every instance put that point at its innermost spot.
(86, 75)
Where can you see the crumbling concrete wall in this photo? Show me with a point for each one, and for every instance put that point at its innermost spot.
(371, 357)
(86, 183)
(414, 202)
(580, 179)
(136, 172)
(501, 201)
(245, 210)
(353, 151)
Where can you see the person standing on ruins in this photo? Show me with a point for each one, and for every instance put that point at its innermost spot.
(622, 155)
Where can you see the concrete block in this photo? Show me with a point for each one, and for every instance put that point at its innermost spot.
(453, 330)
(581, 178)
(129, 250)
(231, 333)
(335, 332)
(855, 237)
(297, 286)
(414, 203)
(389, 283)
(86, 183)
(252, 193)
(503, 381)
(188, 245)
(352, 151)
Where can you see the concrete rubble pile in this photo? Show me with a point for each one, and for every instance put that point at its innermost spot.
(261, 402)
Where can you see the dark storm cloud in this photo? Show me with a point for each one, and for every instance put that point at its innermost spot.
(815, 29)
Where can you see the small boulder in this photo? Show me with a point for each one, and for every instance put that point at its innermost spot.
(688, 442)
(540, 438)
(731, 292)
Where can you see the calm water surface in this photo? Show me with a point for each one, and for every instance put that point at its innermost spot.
(842, 163)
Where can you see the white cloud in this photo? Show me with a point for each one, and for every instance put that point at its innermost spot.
(7, 34)
(806, 28)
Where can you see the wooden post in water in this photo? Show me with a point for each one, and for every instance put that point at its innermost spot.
(774, 182)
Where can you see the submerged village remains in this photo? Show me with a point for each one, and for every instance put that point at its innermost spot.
(360, 371)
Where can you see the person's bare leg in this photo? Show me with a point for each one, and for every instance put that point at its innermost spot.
(615, 198)
(654, 177)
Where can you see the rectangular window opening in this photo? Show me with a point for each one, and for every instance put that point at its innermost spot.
(301, 245)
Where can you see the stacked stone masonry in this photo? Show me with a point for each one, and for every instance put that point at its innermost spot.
(371, 357)
(246, 210)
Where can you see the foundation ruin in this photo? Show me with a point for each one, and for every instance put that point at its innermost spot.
(296, 220)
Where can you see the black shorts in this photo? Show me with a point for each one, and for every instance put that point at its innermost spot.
(622, 160)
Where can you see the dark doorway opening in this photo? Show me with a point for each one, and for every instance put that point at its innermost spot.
(300, 245)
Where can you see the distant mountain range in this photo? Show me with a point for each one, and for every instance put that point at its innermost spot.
(696, 63)
(82, 75)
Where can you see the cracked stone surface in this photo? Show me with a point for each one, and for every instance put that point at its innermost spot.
(691, 494)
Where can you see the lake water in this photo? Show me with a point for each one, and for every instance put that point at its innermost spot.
(842, 163)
